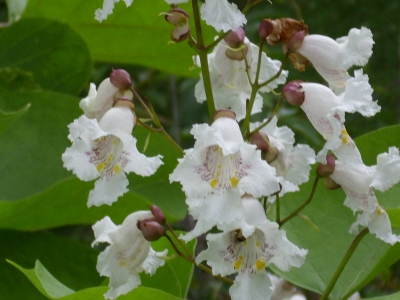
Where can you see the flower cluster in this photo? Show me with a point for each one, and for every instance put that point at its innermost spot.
(233, 168)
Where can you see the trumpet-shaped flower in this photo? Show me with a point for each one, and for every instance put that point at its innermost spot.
(128, 254)
(325, 110)
(107, 150)
(230, 252)
(222, 15)
(230, 82)
(357, 181)
(333, 58)
(217, 172)
(292, 164)
(108, 6)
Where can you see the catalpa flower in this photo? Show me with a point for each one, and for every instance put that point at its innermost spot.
(292, 163)
(231, 252)
(222, 15)
(107, 150)
(230, 82)
(108, 6)
(218, 171)
(333, 58)
(128, 254)
(358, 180)
(325, 110)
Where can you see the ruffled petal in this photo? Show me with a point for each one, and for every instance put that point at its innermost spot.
(251, 286)
(107, 190)
(222, 15)
(102, 229)
(153, 262)
(388, 166)
(108, 6)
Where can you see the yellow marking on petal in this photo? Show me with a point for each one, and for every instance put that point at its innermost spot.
(122, 263)
(213, 183)
(100, 167)
(114, 142)
(234, 181)
(245, 243)
(238, 263)
(219, 166)
(110, 157)
(379, 211)
(260, 265)
(345, 136)
(117, 169)
(258, 244)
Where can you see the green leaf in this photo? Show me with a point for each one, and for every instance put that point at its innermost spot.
(394, 216)
(7, 118)
(44, 281)
(14, 79)
(70, 262)
(50, 50)
(328, 245)
(176, 275)
(395, 296)
(133, 35)
(141, 293)
(15, 9)
(40, 137)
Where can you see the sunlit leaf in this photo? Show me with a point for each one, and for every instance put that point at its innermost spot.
(53, 52)
(143, 34)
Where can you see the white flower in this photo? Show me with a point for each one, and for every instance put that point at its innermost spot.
(127, 255)
(217, 172)
(230, 252)
(332, 58)
(357, 181)
(175, 1)
(106, 149)
(325, 110)
(283, 290)
(230, 83)
(293, 163)
(222, 15)
(108, 6)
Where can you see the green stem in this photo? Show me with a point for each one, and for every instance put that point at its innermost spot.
(293, 214)
(203, 60)
(249, 5)
(277, 74)
(343, 263)
(179, 241)
(190, 258)
(254, 89)
(209, 47)
(278, 209)
(152, 114)
(274, 112)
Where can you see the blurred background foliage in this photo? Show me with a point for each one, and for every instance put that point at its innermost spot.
(173, 99)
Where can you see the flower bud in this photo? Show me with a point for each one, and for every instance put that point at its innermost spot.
(235, 40)
(272, 154)
(266, 28)
(296, 41)
(151, 230)
(274, 37)
(180, 19)
(293, 92)
(121, 79)
(224, 113)
(330, 184)
(325, 170)
(158, 214)
(261, 140)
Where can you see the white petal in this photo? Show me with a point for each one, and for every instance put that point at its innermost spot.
(381, 227)
(358, 47)
(108, 6)
(152, 262)
(222, 15)
(175, 1)
(101, 230)
(251, 286)
(107, 190)
(121, 118)
(388, 169)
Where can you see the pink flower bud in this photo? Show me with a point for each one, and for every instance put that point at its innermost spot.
(261, 140)
(158, 214)
(293, 92)
(224, 113)
(121, 79)
(325, 170)
(296, 41)
(235, 38)
(265, 29)
(151, 230)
